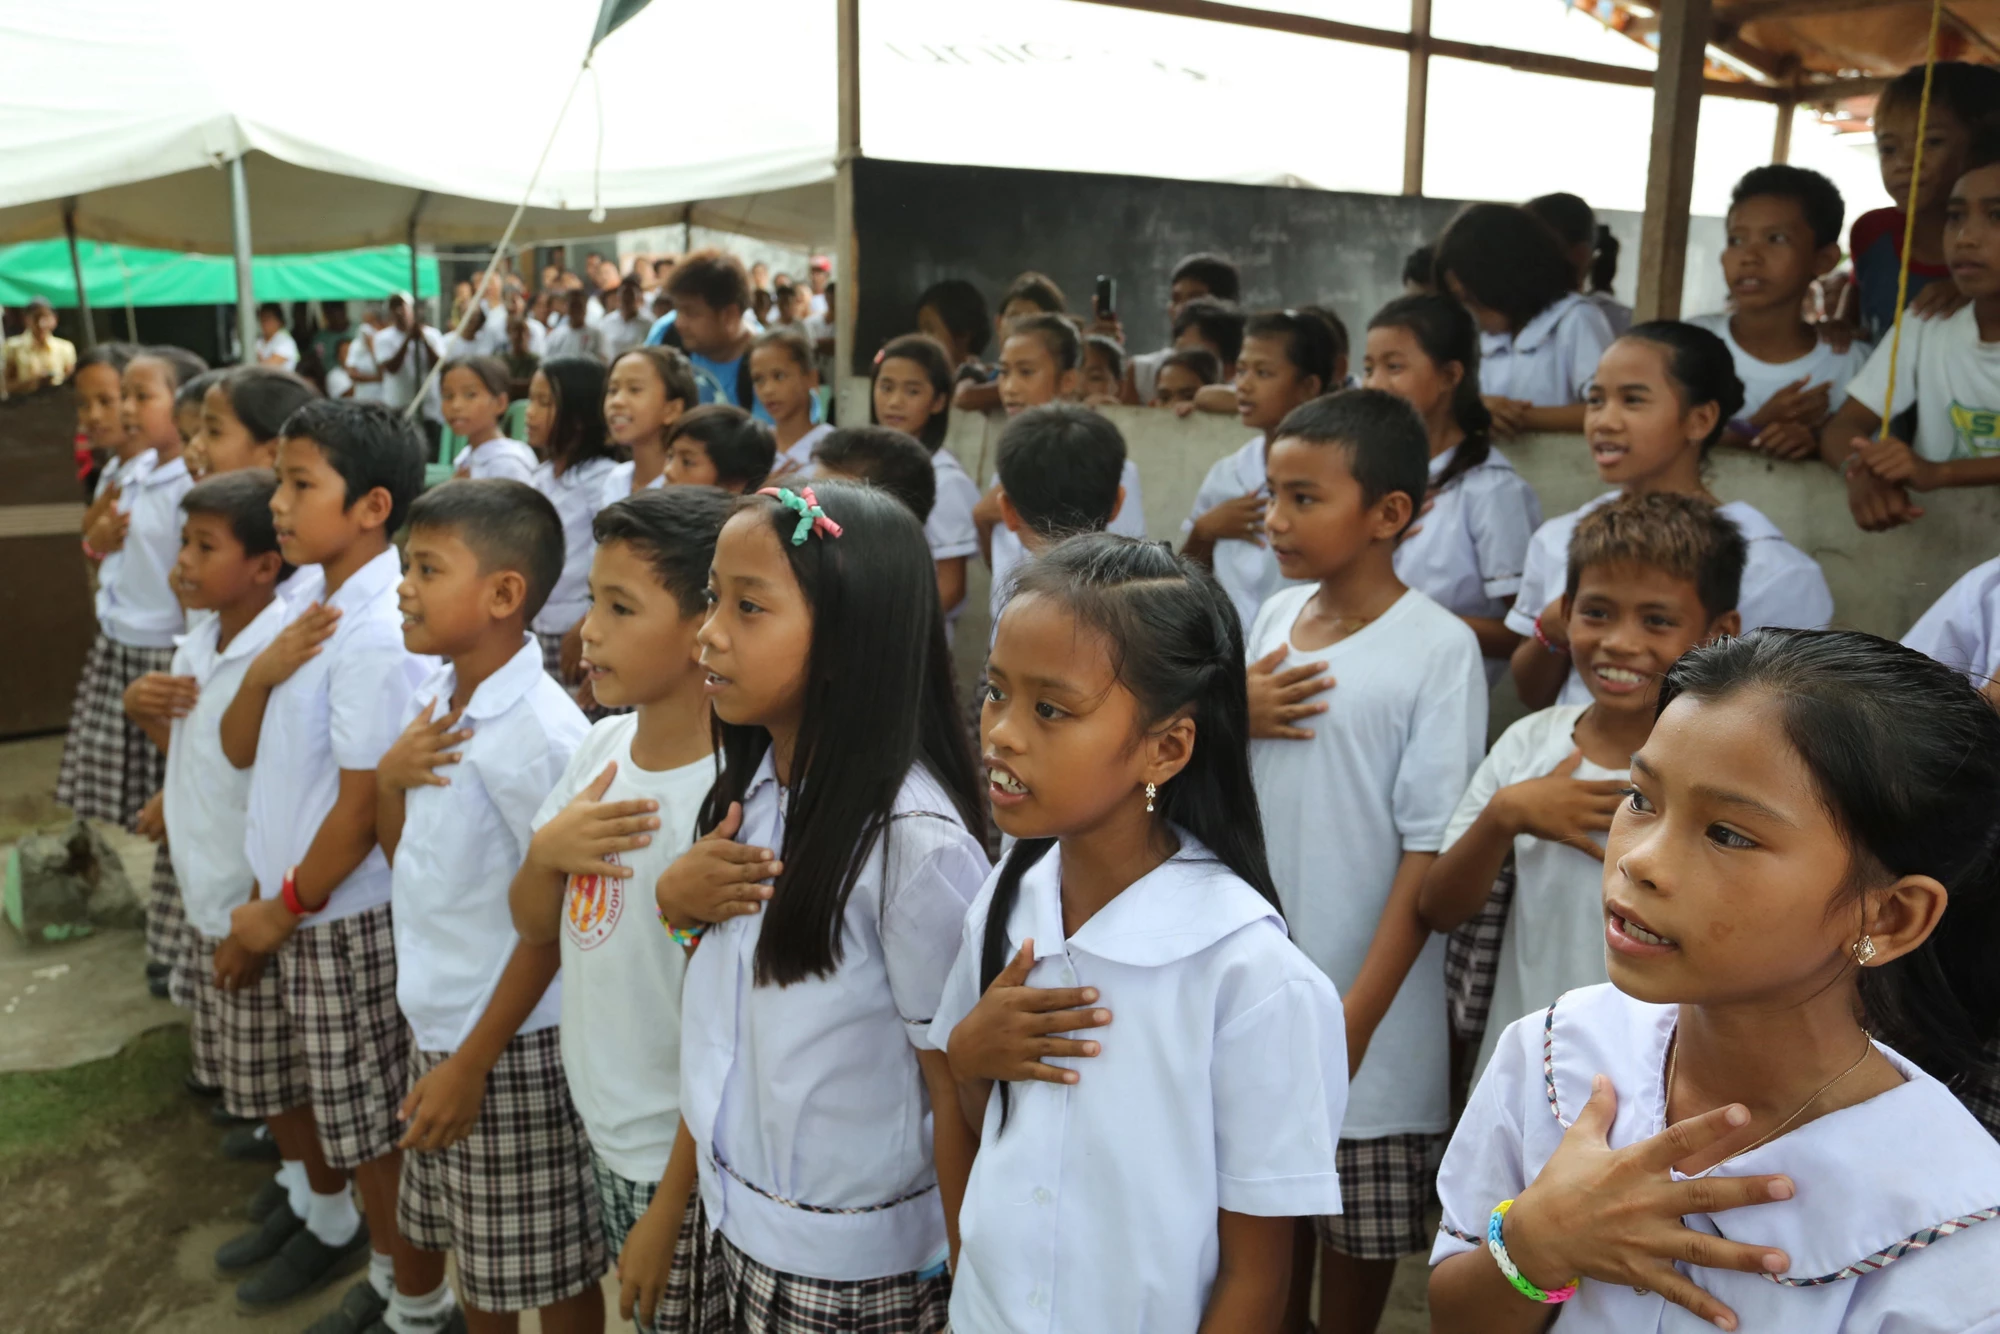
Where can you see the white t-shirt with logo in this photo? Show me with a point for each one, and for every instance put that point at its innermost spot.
(1952, 377)
(621, 971)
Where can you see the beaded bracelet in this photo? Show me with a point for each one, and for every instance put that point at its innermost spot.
(684, 938)
(1497, 1247)
(1542, 638)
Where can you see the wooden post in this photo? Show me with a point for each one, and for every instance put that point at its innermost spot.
(1781, 142)
(845, 252)
(89, 329)
(1417, 99)
(1677, 88)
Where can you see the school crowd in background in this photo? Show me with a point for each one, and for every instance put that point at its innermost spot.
(587, 857)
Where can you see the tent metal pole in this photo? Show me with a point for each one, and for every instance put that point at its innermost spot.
(845, 247)
(76, 268)
(246, 297)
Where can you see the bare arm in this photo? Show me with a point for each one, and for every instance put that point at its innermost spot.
(1469, 1295)
(1538, 673)
(951, 582)
(1458, 882)
(242, 721)
(1399, 938)
(1495, 639)
(953, 1142)
(1836, 438)
(443, 1106)
(976, 396)
(344, 840)
(1567, 419)
(1253, 1274)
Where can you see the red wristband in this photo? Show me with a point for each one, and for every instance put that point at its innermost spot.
(288, 894)
(1541, 637)
(90, 551)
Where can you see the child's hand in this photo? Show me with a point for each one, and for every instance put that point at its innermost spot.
(1787, 440)
(262, 925)
(443, 1105)
(1279, 699)
(1561, 808)
(1794, 403)
(1614, 1215)
(413, 758)
(578, 839)
(236, 965)
(1893, 461)
(296, 645)
(1939, 298)
(1555, 623)
(646, 1260)
(1238, 520)
(1012, 1032)
(107, 533)
(717, 879)
(151, 822)
(1876, 505)
(1510, 415)
(160, 697)
(1184, 407)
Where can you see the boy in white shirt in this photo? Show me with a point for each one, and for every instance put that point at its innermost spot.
(275, 344)
(1355, 811)
(1061, 470)
(1958, 630)
(314, 721)
(623, 810)
(1783, 234)
(500, 1173)
(1650, 577)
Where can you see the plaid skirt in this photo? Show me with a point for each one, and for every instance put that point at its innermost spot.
(1472, 959)
(168, 935)
(514, 1200)
(1386, 1185)
(716, 1289)
(109, 767)
(243, 1040)
(339, 985)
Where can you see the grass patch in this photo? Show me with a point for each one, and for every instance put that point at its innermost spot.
(53, 1114)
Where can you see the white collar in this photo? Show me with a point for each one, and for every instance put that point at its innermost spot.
(381, 573)
(1250, 469)
(161, 473)
(502, 690)
(261, 630)
(1180, 908)
(1534, 333)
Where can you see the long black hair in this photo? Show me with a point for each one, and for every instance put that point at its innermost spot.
(930, 354)
(1699, 364)
(1176, 644)
(577, 435)
(1506, 259)
(263, 396)
(1906, 757)
(1445, 330)
(1311, 343)
(878, 700)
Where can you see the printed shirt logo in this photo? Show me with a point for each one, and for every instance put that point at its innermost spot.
(591, 907)
(1977, 431)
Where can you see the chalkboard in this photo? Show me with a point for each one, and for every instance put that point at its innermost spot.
(917, 223)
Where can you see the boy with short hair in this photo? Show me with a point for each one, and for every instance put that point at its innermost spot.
(623, 810)
(1650, 577)
(1061, 471)
(314, 719)
(499, 1172)
(1947, 370)
(711, 292)
(1783, 234)
(1355, 810)
(881, 457)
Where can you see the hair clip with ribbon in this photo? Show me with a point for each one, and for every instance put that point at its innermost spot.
(812, 519)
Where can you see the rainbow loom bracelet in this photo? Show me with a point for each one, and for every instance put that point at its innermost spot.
(1497, 1247)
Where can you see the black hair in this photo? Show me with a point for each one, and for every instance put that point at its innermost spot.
(1204, 363)
(931, 355)
(182, 365)
(1038, 289)
(1064, 343)
(116, 356)
(883, 458)
(741, 447)
(1906, 757)
(1982, 151)
(1061, 466)
(1507, 260)
(369, 445)
(1343, 343)
(1310, 344)
(1604, 260)
(715, 276)
(491, 372)
(670, 364)
(1107, 347)
(878, 702)
(271, 308)
(1176, 645)
(794, 343)
(1418, 266)
(1218, 321)
(1817, 197)
(577, 434)
(1970, 92)
(189, 395)
(263, 397)
(962, 310)
(674, 528)
(508, 525)
(1386, 445)
(1214, 272)
(1445, 330)
(242, 497)
(1685, 537)
(1567, 215)
(1699, 364)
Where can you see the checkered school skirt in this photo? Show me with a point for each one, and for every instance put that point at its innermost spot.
(109, 767)
(167, 930)
(514, 1200)
(621, 1202)
(1386, 1185)
(243, 1040)
(339, 987)
(1981, 1092)
(716, 1289)
(1472, 959)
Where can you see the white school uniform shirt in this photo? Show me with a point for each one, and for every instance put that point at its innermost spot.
(619, 334)
(1246, 571)
(810, 1093)
(1892, 1231)
(1551, 360)
(1554, 938)
(462, 843)
(1958, 629)
(577, 495)
(1616, 313)
(1469, 551)
(119, 472)
(950, 529)
(204, 795)
(135, 603)
(621, 974)
(1221, 1086)
(1380, 777)
(799, 458)
(1008, 553)
(279, 344)
(1781, 584)
(618, 484)
(339, 710)
(1761, 379)
(502, 456)
(361, 361)
(397, 388)
(566, 340)
(1950, 376)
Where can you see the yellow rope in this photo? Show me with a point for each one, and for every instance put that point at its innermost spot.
(1910, 217)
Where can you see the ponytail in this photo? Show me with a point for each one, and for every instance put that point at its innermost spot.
(1445, 330)
(1604, 260)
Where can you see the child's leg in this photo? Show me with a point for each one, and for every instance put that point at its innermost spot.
(581, 1314)
(1352, 1292)
(109, 767)
(1385, 1186)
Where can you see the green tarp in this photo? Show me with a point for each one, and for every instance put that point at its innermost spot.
(117, 276)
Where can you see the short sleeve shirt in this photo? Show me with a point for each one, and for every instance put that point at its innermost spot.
(1551, 360)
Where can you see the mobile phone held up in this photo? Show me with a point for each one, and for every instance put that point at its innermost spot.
(1107, 295)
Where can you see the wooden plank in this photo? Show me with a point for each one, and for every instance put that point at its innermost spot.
(1750, 11)
(1684, 29)
(1781, 139)
(1417, 99)
(847, 147)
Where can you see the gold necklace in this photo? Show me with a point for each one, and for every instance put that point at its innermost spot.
(1673, 1054)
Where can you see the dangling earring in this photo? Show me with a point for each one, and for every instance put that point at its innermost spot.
(1864, 950)
(1150, 790)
